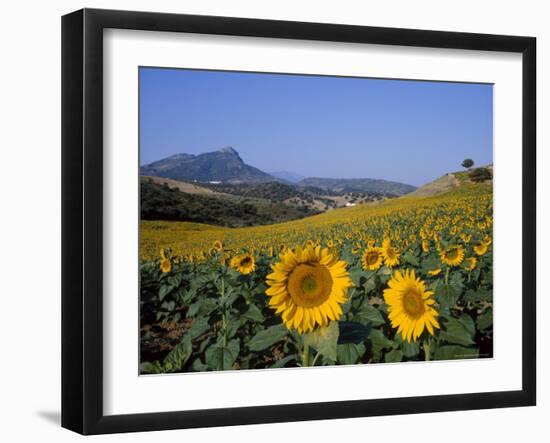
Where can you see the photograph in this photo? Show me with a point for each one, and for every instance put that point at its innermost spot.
(299, 220)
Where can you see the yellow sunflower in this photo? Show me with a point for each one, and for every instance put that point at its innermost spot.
(217, 245)
(391, 255)
(470, 263)
(425, 246)
(410, 305)
(244, 263)
(372, 258)
(307, 287)
(434, 272)
(165, 265)
(466, 237)
(453, 255)
(481, 248)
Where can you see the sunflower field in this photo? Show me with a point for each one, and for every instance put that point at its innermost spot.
(407, 279)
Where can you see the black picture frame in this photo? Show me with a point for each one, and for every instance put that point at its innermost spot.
(82, 218)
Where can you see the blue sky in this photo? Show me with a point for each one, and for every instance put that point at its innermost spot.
(407, 131)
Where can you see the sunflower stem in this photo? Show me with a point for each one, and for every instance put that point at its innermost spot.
(447, 275)
(305, 356)
(427, 346)
(224, 314)
(315, 359)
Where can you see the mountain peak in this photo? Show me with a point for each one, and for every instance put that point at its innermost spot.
(224, 165)
(229, 150)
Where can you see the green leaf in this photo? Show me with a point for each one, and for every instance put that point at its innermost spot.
(430, 264)
(481, 295)
(456, 332)
(164, 291)
(201, 308)
(254, 314)
(168, 306)
(485, 320)
(233, 325)
(446, 296)
(267, 337)
(198, 327)
(455, 352)
(324, 340)
(379, 341)
(393, 356)
(409, 349)
(369, 314)
(468, 323)
(357, 277)
(411, 259)
(487, 277)
(456, 280)
(352, 332)
(179, 355)
(349, 353)
(219, 357)
(151, 367)
(369, 285)
(283, 361)
(199, 366)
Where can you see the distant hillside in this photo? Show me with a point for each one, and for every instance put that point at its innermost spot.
(189, 188)
(224, 165)
(443, 184)
(275, 191)
(168, 202)
(366, 185)
(291, 177)
(449, 182)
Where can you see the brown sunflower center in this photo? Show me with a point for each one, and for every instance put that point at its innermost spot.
(413, 304)
(247, 261)
(372, 258)
(310, 284)
(452, 254)
(390, 252)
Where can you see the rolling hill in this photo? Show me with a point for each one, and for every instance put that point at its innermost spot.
(177, 201)
(367, 185)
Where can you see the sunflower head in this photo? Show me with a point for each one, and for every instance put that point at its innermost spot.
(307, 287)
(481, 248)
(165, 265)
(243, 263)
(410, 305)
(391, 255)
(372, 258)
(453, 255)
(470, 263)
(425, 246)
(217, 245)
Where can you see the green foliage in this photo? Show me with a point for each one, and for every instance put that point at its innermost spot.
(222, 357)
(324, 340)
(267, 337)
(479, 175)
(160, 202)
(368, 185)
(467, 163)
